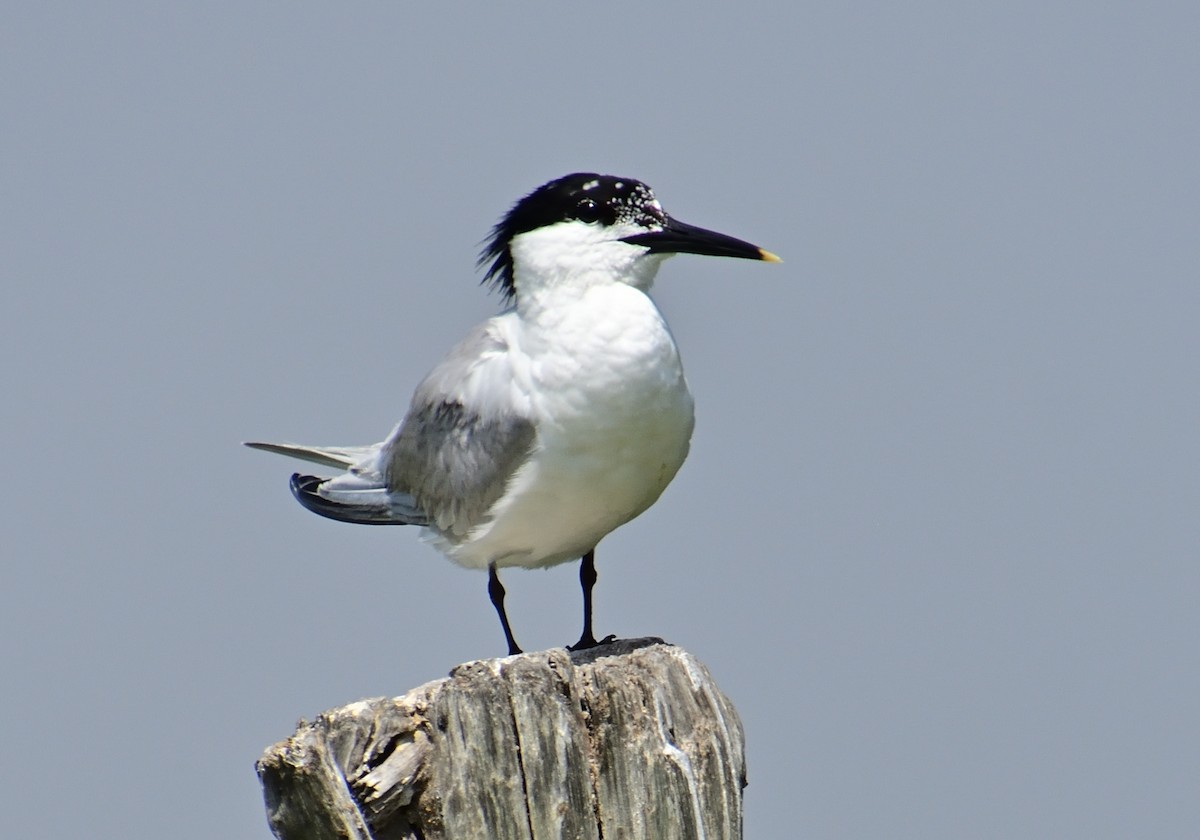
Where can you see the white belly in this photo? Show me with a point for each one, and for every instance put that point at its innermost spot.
(614, 420)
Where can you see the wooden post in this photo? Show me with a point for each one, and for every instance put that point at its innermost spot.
(630, 740)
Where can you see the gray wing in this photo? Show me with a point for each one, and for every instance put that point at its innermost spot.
(466, 433)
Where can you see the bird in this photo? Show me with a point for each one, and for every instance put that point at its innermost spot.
(557, 420)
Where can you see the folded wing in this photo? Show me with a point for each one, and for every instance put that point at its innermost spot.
(467, 431)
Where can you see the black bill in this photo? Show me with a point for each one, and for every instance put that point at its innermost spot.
(681, 238)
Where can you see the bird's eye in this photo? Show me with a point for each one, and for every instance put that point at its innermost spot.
(587, 211)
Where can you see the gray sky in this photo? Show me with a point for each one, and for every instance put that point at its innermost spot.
(937, 537)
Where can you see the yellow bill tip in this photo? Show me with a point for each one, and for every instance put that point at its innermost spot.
(767, 256)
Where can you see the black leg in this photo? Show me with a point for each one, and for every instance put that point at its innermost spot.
(496, 593)
(587, 579)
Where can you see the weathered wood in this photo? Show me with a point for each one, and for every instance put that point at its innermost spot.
(630, 740)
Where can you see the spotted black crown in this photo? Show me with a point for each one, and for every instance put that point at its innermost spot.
(583, 196)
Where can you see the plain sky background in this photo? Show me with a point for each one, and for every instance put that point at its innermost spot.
(937, 537)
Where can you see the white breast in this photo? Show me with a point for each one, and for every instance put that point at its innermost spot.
(614, 420)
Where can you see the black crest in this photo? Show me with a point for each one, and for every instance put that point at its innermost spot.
(583, 196)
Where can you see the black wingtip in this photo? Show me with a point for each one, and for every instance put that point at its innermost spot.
(303, 484)
(304, 488)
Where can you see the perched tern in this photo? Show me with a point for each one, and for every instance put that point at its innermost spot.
(553, 423)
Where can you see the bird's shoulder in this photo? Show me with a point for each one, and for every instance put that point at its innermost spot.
(466, 431)
(482, 373)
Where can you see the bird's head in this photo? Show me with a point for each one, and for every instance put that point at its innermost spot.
(586, 228)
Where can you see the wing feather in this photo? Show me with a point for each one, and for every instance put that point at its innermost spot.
(466, 433)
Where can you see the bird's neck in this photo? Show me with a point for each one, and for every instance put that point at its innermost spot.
(541, 293)
(554, 267)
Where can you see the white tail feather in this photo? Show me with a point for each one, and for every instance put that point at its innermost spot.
(342, 457)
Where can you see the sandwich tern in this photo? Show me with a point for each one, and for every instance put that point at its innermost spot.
(554, 422)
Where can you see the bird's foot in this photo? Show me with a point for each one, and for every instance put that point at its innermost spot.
(587, 640)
